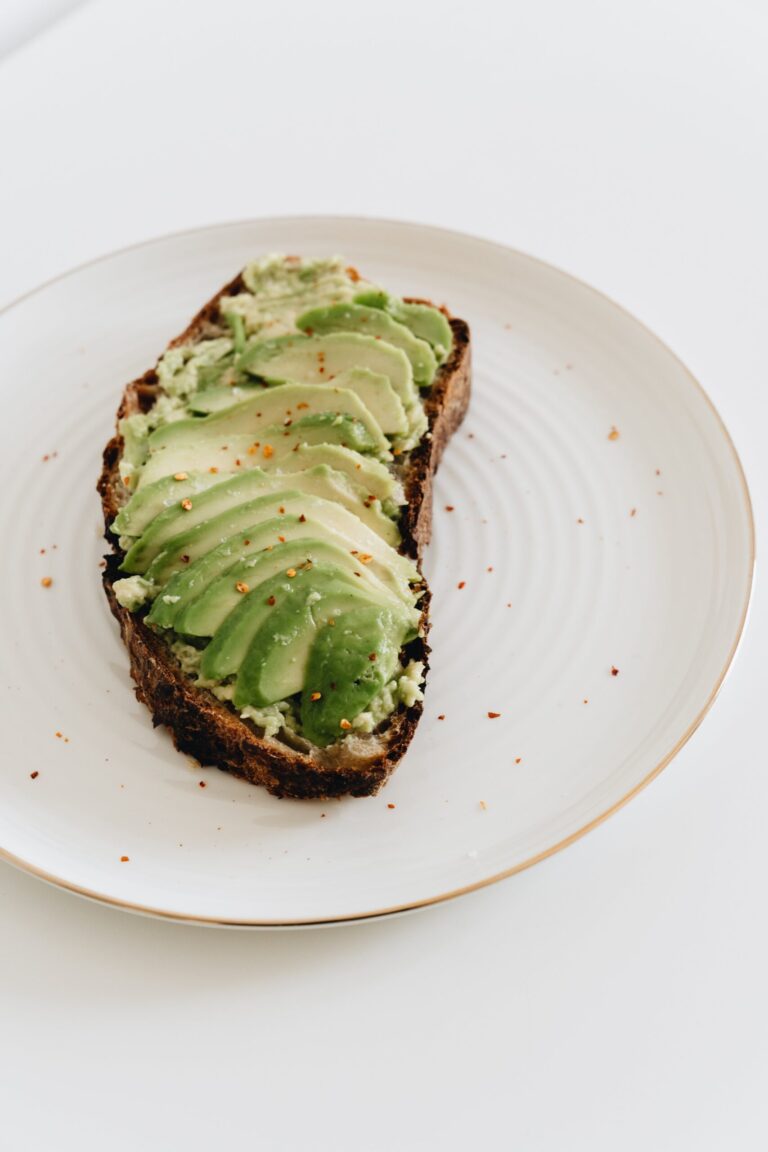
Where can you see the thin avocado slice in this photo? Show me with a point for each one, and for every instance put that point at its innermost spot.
(370, 474)
(193, 579)
(374, 390)
(268, 407)
(220, 396)
(348, 665)
(287, 456)
(227, 650)
(373, 322)
(223, 454)
(152, 499)
(322, 427)
(317, 359)
(224, 498)
(276, 662)
(205, 614)
(185, 549)
(423, 320)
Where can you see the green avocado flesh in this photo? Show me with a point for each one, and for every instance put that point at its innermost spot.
(260, 529)
(377, 323)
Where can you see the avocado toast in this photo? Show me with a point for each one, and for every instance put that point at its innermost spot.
(267, 497)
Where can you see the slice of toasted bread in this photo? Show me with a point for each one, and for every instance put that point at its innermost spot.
(211, 731)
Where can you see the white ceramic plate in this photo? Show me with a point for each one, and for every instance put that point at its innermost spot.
(570, 550)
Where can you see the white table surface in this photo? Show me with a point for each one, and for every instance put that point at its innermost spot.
(613, 997)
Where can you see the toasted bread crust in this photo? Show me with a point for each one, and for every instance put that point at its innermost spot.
(207, 729)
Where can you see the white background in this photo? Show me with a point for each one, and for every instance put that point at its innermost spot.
(613, 997)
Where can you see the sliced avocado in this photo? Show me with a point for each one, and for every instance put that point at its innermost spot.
(225, 497)
(264, 449)
(348, 665)
(373, 322)
(204, 614)
(152, 499)
(271, 406)
(320, 427)
(194, 577)
(289, 455)
(220, 396)
(317, 359)
(374, 390)
(227, 650)
(189, 546)
(276, 663)
(424, 321)
(370, 474)
(319, 521)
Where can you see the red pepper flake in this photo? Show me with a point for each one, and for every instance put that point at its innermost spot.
(302, 519)
(46, 581)
(246, 543)
(184, 559)
(633, 511)
(281, 510)
(353, 274)
(281, 539)
(494, 715)
(489, 569)
(34, 775)
(42, 551)
(585, 700)
(372, 657)
(461, 584)
(287, 422)
(614, 433)
(241, 587)
(187, 505)
(59, 735)
(301, 406)
(614, 670)
(290, 573)
(201, 784)
(658, 471)
(296, 447)
(364, 557)
(518, 759)
(390, 805)
(237, 463)
(267, 451)
(345, 724)
(213, 471)
(271, 601)
(449, 507)
(124, 859)
(181, 476)
(315, 696)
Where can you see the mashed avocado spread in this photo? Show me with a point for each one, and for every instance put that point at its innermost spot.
(260, 524)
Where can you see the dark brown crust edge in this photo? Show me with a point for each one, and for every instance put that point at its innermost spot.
(205, 728)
